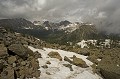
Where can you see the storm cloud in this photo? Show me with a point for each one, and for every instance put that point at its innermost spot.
(104, 13)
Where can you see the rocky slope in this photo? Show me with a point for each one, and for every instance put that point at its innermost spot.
(19, 60)
(16, 59)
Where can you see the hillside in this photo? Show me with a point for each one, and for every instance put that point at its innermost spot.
(25, 56)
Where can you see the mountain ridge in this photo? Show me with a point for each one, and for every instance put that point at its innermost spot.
(61, 32)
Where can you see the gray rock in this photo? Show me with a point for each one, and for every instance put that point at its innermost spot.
(36, 74)
(76, 61)
(48, 73)
(67, 59)
(22, 77)
(1, 66)
(20, 50)
(14, 64)
(35, 64)
(37, 55)
(69, 66)
(44, 66)
(109, 74)
(3, 50)
(23, 63)
(108, 68)
(79, 62)
(11, 59)
(55, 55)
(84, 52)
(48, 62)
(8, 73)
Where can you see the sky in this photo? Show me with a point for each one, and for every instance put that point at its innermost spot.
(104, 13)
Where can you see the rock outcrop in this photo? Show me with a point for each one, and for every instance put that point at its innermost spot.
(3, 50)
(16, 59)
(76, 61)
(109, 64)
(55, 55)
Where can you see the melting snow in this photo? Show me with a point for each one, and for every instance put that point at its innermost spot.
(58, 71)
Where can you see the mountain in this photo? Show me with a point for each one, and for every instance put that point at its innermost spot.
(60, 32)
(74, 33)
(16, 23)
(82, 32)
(23, 56)
(26, 56)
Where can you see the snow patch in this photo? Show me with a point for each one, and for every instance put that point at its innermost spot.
(58, 71)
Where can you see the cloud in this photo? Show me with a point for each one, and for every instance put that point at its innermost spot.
(104, 13)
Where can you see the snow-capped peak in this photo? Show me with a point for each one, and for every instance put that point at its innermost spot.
(69, 28)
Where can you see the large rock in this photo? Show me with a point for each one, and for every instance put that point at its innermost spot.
(3, 50)
(44, 66)
(35, 64)
(26, 72)
(109, 74)
(79, 62)
(76, 61)
(93, 59)
(8, 73)
(84, 52)
(109, 69)
(37, 54)
(36, 74)
(48, 62)
(55, 55)
(20, 50)
(69, 66)
(11, 59)
(67, 59)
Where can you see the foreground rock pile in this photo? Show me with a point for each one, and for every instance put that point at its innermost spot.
(106, 62)
(16, 59)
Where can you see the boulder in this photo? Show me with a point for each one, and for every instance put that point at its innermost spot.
(20, 50)
(37, 54)
(24, 71)
(44, 66)
(36, 74)
(8, 73)
(108, 68)
(93, 59)
(55, 55)
(35, 64)
(23, 63)
(79, 62)
(84, 52)
(48, 62)
(22, 77)
(27, 72)
(76, 61)
(110, 72)
(69, 66)
(48, 73)
(1, 66)
(3, 50)
(67, 59)
(11, 59)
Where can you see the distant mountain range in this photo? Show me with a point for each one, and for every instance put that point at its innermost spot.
(17, 23)
(61, 32)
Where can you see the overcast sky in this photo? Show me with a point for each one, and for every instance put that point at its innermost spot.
(104, 13)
